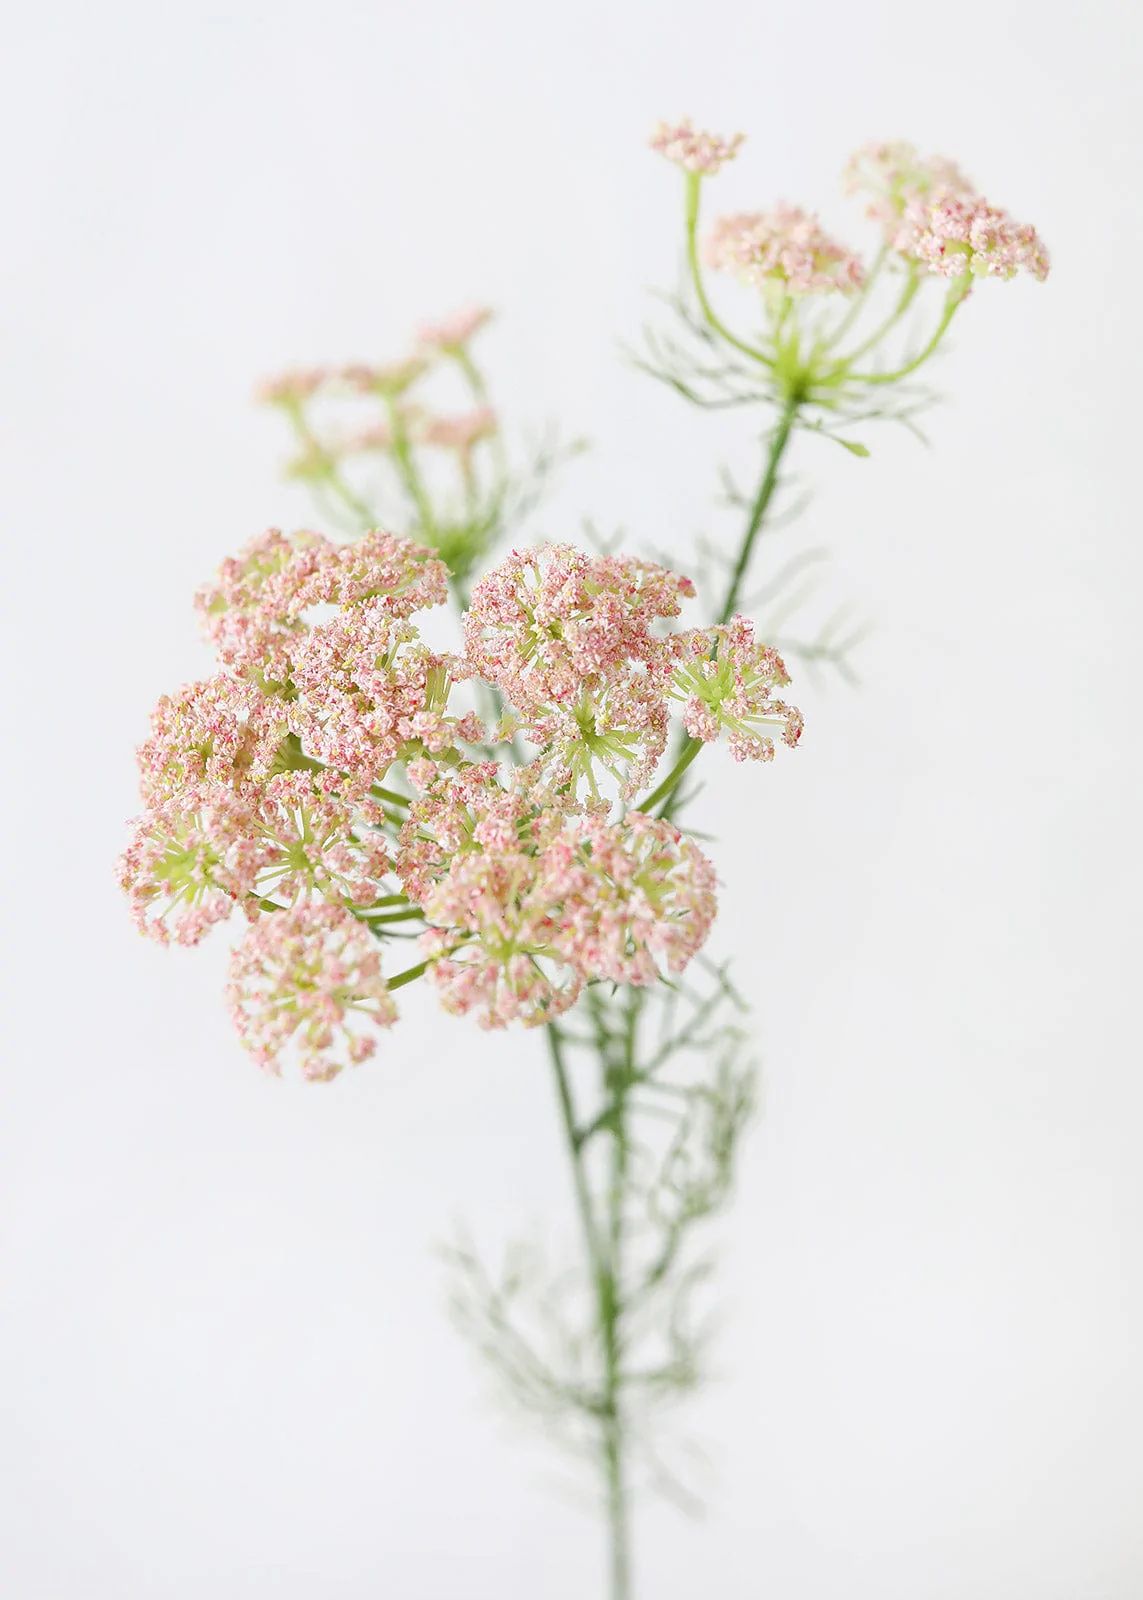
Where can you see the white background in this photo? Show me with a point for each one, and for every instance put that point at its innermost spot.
(226, 1369)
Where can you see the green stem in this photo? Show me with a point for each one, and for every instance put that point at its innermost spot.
(407, 471)
(329, 473)
(956, 296)
(689, 751)
(857, 303)
(778, 442)
(694, 186)
(410, 975)
(603, 1253)
(389, 795)
(904, 301)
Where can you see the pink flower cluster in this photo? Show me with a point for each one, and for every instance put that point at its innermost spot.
(934, 216)
(265, 786)
(460, 432)
(305, 980)
(892, 174)
(254, 610)
(570, 642)
(785, 248)
(726, 680)
(961, 235)
(453, 333)
(534, 902)
(692, 149)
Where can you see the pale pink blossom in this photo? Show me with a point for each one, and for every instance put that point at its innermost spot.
(636, 894)
(189, 863)
(378, 437)
(692, 149)
(957, 235)
(784, 249)
(452, 333)
(291, 388)
(369, 692)
(892, 174)
(468, 809)
(221, 730)
(313, 842)
(460, 433)
(254, 611)
(491, 945)
(726, 680)
(307, 983)
(570, 641)
(387, 379)
(547, 621)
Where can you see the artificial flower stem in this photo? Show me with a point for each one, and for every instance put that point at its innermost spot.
(904, 301)
(857, 301)
(329, 473)
(602, 1260)
(664, 790)
(694, 184)
(406, 468)
(956, 296)
(410, 975)
(778, 441)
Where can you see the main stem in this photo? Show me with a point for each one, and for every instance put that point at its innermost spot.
(778, 442)
(604, 1244)
(604, 1234)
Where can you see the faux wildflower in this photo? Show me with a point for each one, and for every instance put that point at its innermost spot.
(493, 947)
(957, 235)
(639, 894)
(784, 249)
(692, 149)
(892, 174)
(726, 680)
(452, 333)
(190, 862)
(307, 983)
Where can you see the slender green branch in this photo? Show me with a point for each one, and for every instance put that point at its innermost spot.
(904, 301)
(407, 471)
(410, 975)
(327, 466)
(694, 186)
(957, 294)
(689, 751)
(858, 301)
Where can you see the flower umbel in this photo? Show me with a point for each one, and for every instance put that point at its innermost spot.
(692, 149)
(493, 946)
(786, 249)
(726, 680)
(892, 174)
(958, 235)
(307, 983)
